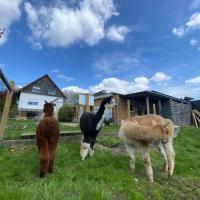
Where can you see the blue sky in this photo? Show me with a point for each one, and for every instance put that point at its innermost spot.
(89, 45)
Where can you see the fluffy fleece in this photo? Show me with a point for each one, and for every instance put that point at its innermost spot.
(91, 124)
(140, 131)
(47, 135)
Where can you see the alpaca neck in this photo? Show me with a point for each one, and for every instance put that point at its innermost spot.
(48, 114)
(101, 116)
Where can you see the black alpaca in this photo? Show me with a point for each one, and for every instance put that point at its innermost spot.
(90, 125)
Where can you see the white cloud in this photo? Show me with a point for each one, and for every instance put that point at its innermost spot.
(141, 83)
(179, 31)
(117, 33)
(160, 76)
(193, 42)
(66, 78)
(9, 13)
(61, 25)
(193, 23)
(195, 4)
(75, 89)
(121, 86)
(195, 80)
(181, 91)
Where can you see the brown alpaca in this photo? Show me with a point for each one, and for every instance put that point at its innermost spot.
(47, 135)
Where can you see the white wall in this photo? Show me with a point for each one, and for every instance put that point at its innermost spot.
(26, 97)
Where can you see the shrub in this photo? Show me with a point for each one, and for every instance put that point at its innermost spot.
(66, 113)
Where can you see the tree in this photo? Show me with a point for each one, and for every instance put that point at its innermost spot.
(72, 97)
(66, 113)
(188, 99)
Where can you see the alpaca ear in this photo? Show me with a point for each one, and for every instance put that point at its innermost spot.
(45, 101)
(164, 127)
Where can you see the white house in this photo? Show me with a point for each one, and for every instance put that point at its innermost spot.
(31, 97)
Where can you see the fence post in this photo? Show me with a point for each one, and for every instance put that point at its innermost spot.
(6, 109)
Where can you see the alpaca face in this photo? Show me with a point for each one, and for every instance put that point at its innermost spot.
(110, 104)
(48, 107)
(165, 129)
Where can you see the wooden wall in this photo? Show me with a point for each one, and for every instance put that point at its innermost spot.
(119, 112)
(180, 113)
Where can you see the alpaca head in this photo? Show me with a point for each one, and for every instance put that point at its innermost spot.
(163, 129)
(108, 102)
(48, 107)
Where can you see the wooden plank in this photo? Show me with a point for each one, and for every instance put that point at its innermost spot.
(147, 105)
(159, 107)
(196, 112)
(4, 118)
(154, 109)
(128, 108)
(194, 118)
(5, 80)
(87, 103)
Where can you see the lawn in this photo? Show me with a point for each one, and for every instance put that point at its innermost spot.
(105, 176)
(16, 127)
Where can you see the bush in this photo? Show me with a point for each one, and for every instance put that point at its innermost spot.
(66, 113)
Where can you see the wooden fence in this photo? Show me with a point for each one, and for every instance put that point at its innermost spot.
(10, 88)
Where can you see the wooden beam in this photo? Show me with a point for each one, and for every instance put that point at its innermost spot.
(5, 80)
(147, 105)
(128, 108)
(154, 109)
(6, 109)
(159, 107)
(194, 118)
(87, 103)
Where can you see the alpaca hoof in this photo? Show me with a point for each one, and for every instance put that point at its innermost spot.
(42, 174)
(91, 152)
(50, 171)
(151, 179)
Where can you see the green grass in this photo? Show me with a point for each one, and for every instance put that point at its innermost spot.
(103, 177)
(108, 140)
(15, 128)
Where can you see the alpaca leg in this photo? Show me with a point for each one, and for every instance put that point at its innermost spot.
(170, 156)
(147, 163)
(52, 151)
(92, 144)
(44, 158)
(91, 151)
(163, 153)
(85, 147)
(131, 152)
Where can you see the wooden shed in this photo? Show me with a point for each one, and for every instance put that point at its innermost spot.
(148, 102)
(153, 102)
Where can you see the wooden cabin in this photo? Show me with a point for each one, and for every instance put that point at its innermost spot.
(147, 102)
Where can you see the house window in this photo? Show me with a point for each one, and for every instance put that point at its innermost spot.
(36, 89)
(52, 91)
(33, 103)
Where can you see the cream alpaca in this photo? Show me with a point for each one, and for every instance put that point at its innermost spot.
(139, 132)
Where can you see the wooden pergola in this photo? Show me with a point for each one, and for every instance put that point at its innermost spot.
(10, 88)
